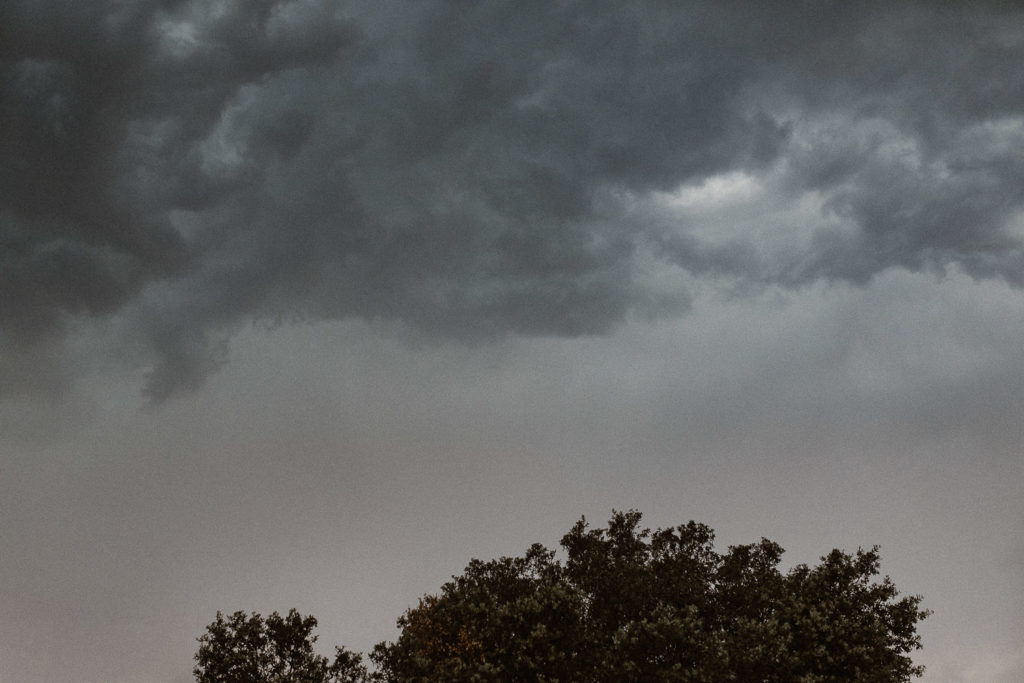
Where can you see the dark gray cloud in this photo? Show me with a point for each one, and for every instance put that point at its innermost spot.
(472, 171)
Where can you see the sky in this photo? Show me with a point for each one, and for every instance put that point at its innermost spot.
(306, 304)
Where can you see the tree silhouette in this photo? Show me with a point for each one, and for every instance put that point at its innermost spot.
(625, 604)
(248, 649)
(629, 604)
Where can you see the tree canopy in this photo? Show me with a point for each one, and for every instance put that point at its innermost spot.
(250, 649)
(631, 604)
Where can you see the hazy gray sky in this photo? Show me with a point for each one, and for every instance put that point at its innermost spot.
(305, 304)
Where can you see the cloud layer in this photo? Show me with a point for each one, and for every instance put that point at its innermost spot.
(177, 169)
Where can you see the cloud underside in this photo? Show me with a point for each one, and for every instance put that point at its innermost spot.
(474, 171)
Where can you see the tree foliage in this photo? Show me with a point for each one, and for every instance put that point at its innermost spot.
(625, 604)
(628, 604)
(249, 649)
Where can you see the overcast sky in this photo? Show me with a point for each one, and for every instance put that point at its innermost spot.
(306, 304)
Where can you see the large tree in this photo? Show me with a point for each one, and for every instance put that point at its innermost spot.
(628, 604)
(625, 604)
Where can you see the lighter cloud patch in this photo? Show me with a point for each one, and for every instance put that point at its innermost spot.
(993, 138)
(838, 135)
(292, 18)
(549, 82)
(1014, 226)
(188, 224)
(222, 152)
(740, 210)
(178, 39)
(181, 35)
(715, 192)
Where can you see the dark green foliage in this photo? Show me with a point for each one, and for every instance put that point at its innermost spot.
(248, 649)
(631, 605)
(626, 604)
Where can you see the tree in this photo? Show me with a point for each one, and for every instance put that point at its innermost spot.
(625, 604)
(628, 604)
(248, 649)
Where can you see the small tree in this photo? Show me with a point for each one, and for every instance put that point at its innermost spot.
(248, 649)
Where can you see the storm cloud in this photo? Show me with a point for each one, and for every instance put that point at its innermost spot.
(178, 170)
